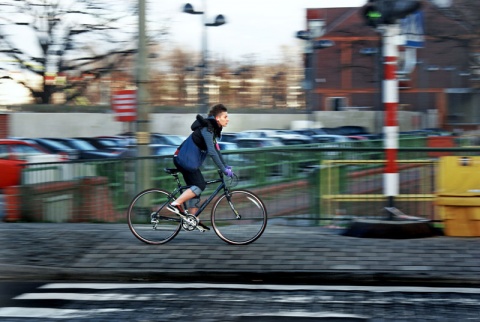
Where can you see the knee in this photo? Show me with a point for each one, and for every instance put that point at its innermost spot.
(197, 190)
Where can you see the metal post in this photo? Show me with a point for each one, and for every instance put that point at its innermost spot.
(203, 109)
(203, 80)
(390, 100)
(143, 121)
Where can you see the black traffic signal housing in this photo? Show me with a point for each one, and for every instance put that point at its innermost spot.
(371, 13)
(387, 12)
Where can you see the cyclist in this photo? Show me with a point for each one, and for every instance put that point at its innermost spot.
(190, 155)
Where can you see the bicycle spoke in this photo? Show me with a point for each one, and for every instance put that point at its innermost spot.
(240, 220)
(149, 220)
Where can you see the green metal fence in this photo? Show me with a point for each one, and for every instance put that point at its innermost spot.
(310, 184)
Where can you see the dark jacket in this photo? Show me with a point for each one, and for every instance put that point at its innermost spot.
(206, 132)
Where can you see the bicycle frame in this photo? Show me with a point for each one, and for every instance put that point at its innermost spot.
(180, 189)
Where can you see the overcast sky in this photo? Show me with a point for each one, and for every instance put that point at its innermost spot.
(257, 27)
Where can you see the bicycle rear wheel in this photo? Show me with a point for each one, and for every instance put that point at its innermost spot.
(148, 217)
(240, 220)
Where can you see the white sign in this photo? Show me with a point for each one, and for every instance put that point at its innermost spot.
(413, 30)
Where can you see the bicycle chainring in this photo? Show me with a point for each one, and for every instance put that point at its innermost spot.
(189, 222)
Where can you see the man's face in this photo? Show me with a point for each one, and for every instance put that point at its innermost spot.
(222, 119)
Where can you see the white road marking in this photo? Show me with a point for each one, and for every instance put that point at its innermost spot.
(29, 312)
(85, 297)
(264, 287)
(117, 294)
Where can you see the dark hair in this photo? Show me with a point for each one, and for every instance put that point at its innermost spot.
(217, 109)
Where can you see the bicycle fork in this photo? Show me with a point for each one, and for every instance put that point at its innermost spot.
(228, 196)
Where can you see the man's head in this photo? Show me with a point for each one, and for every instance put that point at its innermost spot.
(219, 112)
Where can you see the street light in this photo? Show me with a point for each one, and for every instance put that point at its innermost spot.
(219, 20)
(310, 62)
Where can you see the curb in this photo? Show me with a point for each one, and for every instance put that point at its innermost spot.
(35, 273)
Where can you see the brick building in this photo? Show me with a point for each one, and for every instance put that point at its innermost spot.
(349, 74)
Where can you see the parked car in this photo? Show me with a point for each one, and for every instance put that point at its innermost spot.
(163, 149)
(232, 136)
(107, 144)
(121, 141)
(330, 138)
(287, 137)
(295, 141)
(166, 139)
(155, 150)
(310, 132)
(333, 141)
(226, 146)
(352, 130)
(86, 150)
(66, 152)
(258, 143)
(14, 154)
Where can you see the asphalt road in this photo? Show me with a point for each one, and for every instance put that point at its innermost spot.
(213, 302)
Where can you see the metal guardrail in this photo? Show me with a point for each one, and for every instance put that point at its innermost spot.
(309, 184)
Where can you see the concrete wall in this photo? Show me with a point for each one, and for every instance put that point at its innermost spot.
(95, 124)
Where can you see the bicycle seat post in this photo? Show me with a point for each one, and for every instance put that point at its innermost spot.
(177, 179)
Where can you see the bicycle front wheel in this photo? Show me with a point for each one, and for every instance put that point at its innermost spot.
(240, 218)
(148, 217)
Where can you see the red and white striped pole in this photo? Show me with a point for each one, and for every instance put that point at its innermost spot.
(390, 100)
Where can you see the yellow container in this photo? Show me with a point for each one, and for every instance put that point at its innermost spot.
(461, 215)
(458, 195)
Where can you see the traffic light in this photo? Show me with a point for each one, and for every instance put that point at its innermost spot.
(387, 12)
(371, 13)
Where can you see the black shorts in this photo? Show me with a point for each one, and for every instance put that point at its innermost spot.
(194, 178)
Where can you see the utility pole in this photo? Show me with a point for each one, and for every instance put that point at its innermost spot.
(143, 112)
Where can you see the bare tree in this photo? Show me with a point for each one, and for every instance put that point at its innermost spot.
(68, 38)
(466, 14)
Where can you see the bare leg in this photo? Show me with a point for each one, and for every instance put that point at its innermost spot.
(184, 197)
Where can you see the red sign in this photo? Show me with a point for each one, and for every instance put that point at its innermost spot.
(124, 105)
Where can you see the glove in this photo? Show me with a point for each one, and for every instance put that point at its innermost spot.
(228, 171)
(228, 167)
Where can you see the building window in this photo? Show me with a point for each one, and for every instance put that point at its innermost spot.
(336, 103)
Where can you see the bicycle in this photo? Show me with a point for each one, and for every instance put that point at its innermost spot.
(238, 217)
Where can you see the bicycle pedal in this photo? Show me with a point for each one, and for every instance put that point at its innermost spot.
(202, 227)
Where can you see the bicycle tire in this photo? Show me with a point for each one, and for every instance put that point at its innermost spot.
(139, 217)
(246, 229)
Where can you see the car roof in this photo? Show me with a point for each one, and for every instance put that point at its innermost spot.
(11, 141)
(258, 139)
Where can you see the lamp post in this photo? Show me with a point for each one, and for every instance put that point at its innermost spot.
(219, 20)
(310, 64)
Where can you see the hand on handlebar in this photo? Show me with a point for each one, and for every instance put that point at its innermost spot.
(228, 171)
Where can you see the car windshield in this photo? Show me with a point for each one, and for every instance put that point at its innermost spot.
(55, 144)
(23, 151)
(108, 143)
(83, 145)
(174, 140)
